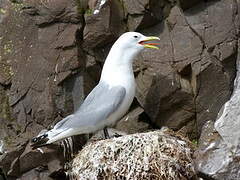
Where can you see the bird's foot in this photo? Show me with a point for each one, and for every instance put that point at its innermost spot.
(116, 135)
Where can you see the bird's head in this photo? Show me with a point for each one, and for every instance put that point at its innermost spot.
(124, 51)
(129, 45)
(136, 41)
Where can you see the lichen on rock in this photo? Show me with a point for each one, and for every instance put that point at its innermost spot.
(152, 155)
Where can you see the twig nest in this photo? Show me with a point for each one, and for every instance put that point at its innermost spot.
(152, 155)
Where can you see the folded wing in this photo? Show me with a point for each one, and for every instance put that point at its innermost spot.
(97, 107)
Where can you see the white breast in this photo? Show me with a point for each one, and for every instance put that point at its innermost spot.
(121, 76)
(121, 111)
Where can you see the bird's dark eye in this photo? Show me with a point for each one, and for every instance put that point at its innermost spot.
(135, 37)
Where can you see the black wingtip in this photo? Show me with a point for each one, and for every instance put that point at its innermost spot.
(39, 141)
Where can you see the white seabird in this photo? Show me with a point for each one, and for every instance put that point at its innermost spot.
(110, 99)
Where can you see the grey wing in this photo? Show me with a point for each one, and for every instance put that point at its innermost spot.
(99, 104)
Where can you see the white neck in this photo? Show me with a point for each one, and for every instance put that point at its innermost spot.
(118, 66)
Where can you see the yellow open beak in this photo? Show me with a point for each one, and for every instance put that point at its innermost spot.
(150, 42)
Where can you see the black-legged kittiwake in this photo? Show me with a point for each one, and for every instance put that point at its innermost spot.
(110, 99)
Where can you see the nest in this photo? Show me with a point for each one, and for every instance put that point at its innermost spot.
(154, 155)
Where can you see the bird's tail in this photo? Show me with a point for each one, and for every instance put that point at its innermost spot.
(40, 140)
(44, 138)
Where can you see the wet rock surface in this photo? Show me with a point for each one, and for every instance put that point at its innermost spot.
(52, 51)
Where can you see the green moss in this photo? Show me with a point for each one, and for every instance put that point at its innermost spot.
(5, 109)
(82, 6)
(7, 49)
(6, 70)
(17, 6)
(2, 11)
(7, 140)
(195, 141)
(89, 11)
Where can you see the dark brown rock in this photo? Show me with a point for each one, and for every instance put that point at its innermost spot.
(218, 154)
(35, 56)
(4, 79)
(208, 135)
(131, 123)
(219, 58)
(31, 159)
(135, 7)
(143, 14)
(103, 25)
(177, 87)
(211, 97)
(185, 4)
(167, 95)
(36, 60)
(43, 161)
(174, 107)
(67, 37)
(8, 159)
(48, 12)
(40, 173)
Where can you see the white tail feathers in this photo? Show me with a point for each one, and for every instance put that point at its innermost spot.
(58, 134)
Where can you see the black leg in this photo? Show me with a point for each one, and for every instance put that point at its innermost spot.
(106, 133)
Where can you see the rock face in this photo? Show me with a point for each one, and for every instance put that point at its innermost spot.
(229, 120)
(153, 155)
(38, 52)
(52, 51)
(218, 158)
(37, 56)
(178, 86)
